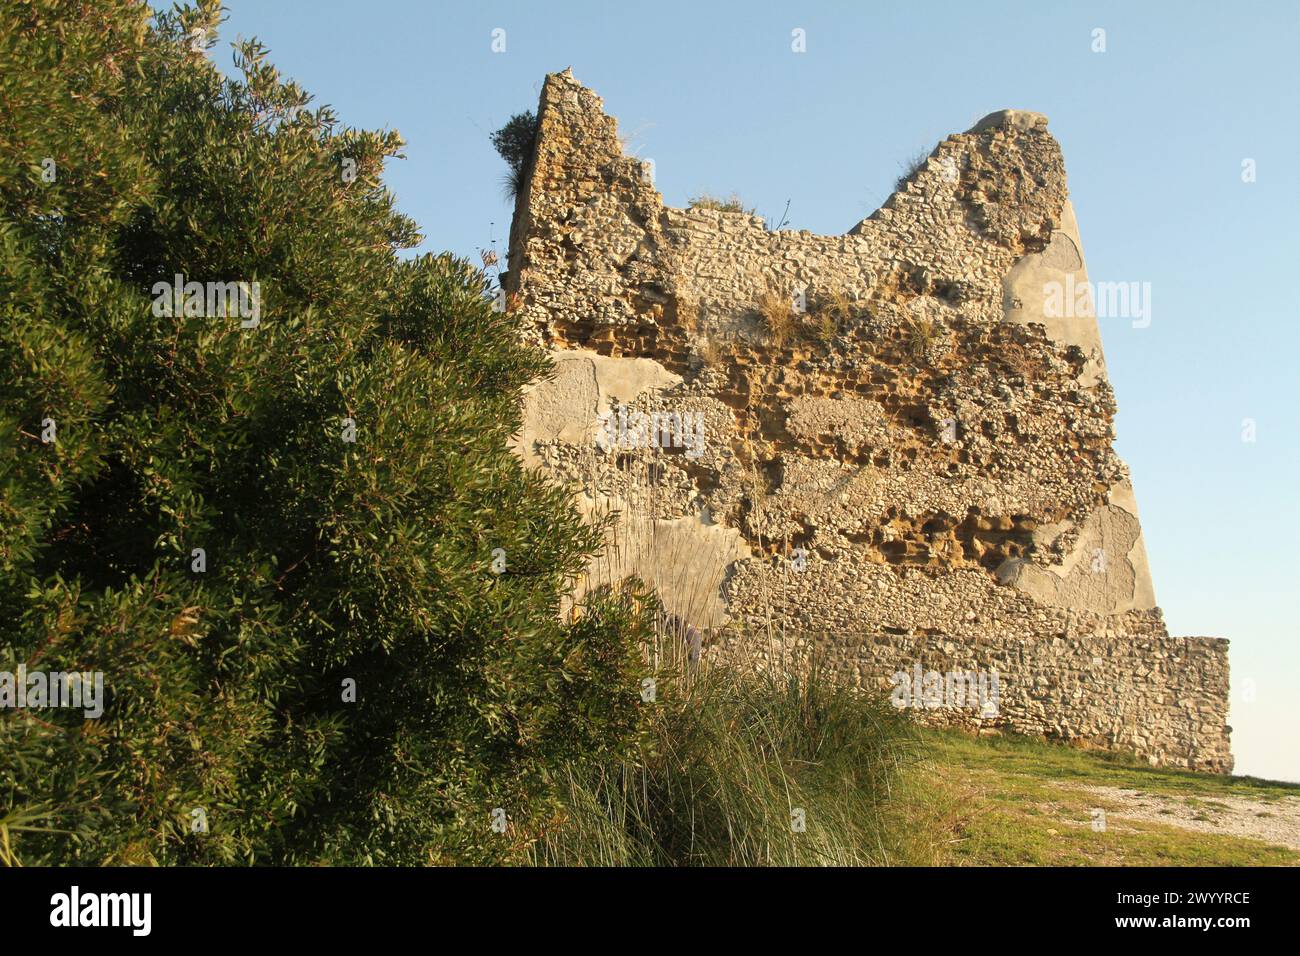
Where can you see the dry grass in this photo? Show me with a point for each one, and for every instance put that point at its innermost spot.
(923, 334)
(833, 312)
(732, 203)
(826, 327)
(840, 306)
(910, 168)
(777, 312)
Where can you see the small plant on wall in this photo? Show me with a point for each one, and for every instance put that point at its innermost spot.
(732, 203)
(777, 313)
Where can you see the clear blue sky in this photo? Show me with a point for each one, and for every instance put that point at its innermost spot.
(1154, 132)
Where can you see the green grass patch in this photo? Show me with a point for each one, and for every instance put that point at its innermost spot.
(1015, 801)
(1057, 763)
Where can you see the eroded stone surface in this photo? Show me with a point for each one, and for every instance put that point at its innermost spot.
(915, 467)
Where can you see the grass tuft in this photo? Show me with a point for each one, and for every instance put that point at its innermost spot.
(732, 203)
(727, 760)
(777, 312)
(910, 169)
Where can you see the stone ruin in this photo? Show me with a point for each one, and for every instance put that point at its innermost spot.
(889, 448)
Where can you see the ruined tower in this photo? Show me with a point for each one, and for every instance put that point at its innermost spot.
(891, 446)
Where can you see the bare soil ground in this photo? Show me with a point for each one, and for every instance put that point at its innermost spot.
(1271, 821)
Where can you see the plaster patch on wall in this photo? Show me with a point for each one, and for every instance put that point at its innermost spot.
(566, 406)
(1025, 296)
(686, 560)
(624, 380)
(1104, 572)
(561, 408)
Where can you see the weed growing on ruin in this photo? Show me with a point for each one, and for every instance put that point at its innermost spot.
(780, 223)
(910, 168)
(923, 334)
(732, 203)
(825, 328)
(514, 143)
(834, 311)
(840, 306)
(708, 352)
(778, 317)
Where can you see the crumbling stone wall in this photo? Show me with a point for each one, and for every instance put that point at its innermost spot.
(906, 457)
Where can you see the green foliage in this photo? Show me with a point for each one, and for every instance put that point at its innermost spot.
(327, 560)
(514, 142)
(727, 759)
